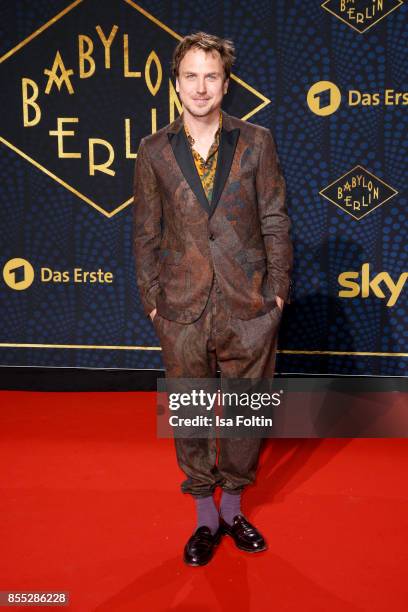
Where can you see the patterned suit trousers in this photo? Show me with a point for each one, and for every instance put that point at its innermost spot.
(241, 349)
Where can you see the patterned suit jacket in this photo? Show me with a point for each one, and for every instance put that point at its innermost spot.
(180, 240)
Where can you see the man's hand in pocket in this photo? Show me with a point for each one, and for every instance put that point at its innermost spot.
(280, 302)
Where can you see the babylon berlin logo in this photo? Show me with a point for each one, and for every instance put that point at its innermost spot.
(83, 90)
(361, 14)
(358, 192)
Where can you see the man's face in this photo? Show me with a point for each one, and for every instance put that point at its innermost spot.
(200, 83)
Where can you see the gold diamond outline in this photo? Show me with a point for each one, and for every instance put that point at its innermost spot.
(20, 45)
(353, 27)
(158, 348)
(371, 174)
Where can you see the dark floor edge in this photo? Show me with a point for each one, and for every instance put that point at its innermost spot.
(24, 378)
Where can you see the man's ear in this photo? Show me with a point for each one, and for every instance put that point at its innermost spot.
(177, 85)
(226, 83)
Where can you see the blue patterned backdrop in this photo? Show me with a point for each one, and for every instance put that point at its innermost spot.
(298, 64)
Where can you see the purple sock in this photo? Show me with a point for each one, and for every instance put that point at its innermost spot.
(230, 506)
(207, 513)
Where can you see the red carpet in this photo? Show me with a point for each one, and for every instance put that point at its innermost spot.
(90, 504)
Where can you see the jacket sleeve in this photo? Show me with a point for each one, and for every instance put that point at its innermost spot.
(147, 213)
(275, 222)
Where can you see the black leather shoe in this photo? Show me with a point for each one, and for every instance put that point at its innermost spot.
(245, 535)
(201, 546)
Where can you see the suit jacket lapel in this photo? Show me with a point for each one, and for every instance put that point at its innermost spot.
(228, 143)
(185, 160)
(182, 152)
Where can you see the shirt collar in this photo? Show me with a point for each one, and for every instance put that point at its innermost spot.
(216, 136)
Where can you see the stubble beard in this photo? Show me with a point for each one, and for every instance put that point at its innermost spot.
(197, 112)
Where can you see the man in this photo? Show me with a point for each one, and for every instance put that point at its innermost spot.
(214, 260)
